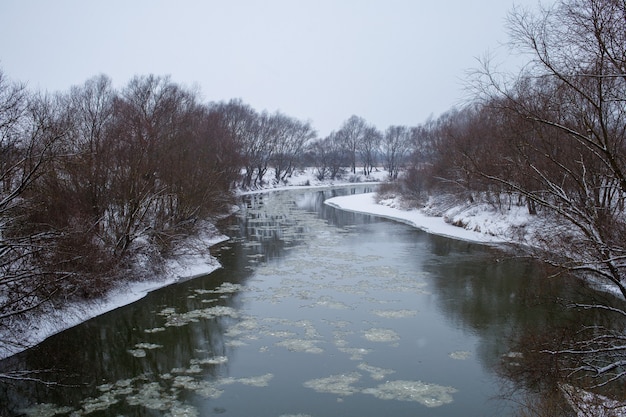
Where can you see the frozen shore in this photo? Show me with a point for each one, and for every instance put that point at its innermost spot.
(476, 222)
(366, 204)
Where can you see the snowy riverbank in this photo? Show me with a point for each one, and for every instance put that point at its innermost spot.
(471, 222)
(366, 204)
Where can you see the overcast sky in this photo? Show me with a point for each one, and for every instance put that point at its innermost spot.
(388, 61)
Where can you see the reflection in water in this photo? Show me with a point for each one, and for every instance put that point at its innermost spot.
(315, 312)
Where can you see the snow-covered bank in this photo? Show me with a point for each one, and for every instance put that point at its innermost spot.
(473, 223)
(53, 321)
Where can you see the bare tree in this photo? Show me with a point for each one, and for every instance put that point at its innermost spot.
(351, 135)
(291, 138)
(329, 156)
(396, 145)
(30, 132)
(369, 147)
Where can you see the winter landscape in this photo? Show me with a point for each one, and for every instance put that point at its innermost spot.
(171, 251)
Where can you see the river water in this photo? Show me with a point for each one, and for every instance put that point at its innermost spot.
(316, 312)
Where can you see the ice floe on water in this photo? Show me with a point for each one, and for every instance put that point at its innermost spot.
(224, 288)
(374, 371)
(155, 330)
(163, 395)
(301, 345)
(341, 384)
(381, 335)
(395, 314)
(460, 354)
(329, 302)
(258, 381)
(430, 395)
(181, 319)
(356, 354)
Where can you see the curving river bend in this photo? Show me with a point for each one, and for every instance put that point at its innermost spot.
(316, 312)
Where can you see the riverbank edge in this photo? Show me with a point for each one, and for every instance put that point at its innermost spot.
(419, 219)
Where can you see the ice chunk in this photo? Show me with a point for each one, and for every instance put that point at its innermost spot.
(375, 372)
(381, 335)
(430, 395)
(460, 354)
(336, 384)
(301, 345)
(395, 314)
(46, 410)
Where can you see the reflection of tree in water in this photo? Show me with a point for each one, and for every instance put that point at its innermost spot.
(522, 314)
(550, 361)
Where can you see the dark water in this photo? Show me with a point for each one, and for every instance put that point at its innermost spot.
(316, 312)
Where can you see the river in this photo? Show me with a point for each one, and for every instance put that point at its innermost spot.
(316, 312)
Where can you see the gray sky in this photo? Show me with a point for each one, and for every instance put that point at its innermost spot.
(388, 61)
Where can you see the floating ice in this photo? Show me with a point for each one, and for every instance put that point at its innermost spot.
(395, 314)
(301, 345)
(155, 330)
(336, 384)
(295, 415)
(138, 353)
(281, 334)
(151, 396)
(46, 410)
(328, 302)
(460, 354)
(258, 381)
(167, 311)
(148, 346)
(103, 402)
(235, 343)
(243, 327)
(356, 354)
(182, 319)
(227, 288)
(206, 389)
(430, 395)
(183, 410)
(381, 335)
(375, 372)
